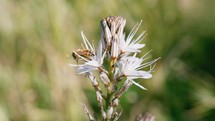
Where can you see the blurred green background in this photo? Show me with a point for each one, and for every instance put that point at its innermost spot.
(36, 83)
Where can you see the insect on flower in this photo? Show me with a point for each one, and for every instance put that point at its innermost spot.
(82, 53)
(121, 64)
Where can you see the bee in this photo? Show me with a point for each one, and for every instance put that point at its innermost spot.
(85, 53)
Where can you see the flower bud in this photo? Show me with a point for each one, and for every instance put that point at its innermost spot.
(104, 78)
(111, 26)
(110, 112)
(116, 102)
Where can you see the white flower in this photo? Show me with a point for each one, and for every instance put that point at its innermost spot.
(96, 61)
(130, 44)
(130, 67)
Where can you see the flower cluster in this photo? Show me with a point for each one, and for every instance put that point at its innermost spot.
(115, 59)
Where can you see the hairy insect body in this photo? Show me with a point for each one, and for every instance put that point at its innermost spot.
(85, 53)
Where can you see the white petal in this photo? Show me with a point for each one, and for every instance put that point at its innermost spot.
(122, 40)
(128, 49)
(73, 65)
(85, 69)
(145, 75)
(92, 63)
(102, 59)
(138, 74)
(84, 39)
(137, 84)
(133, 32)
(132, 74)
(86, 42)
(137, 46)
(140, 37)
(99, 51)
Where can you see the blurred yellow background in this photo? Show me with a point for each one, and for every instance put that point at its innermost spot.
(36, 36)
